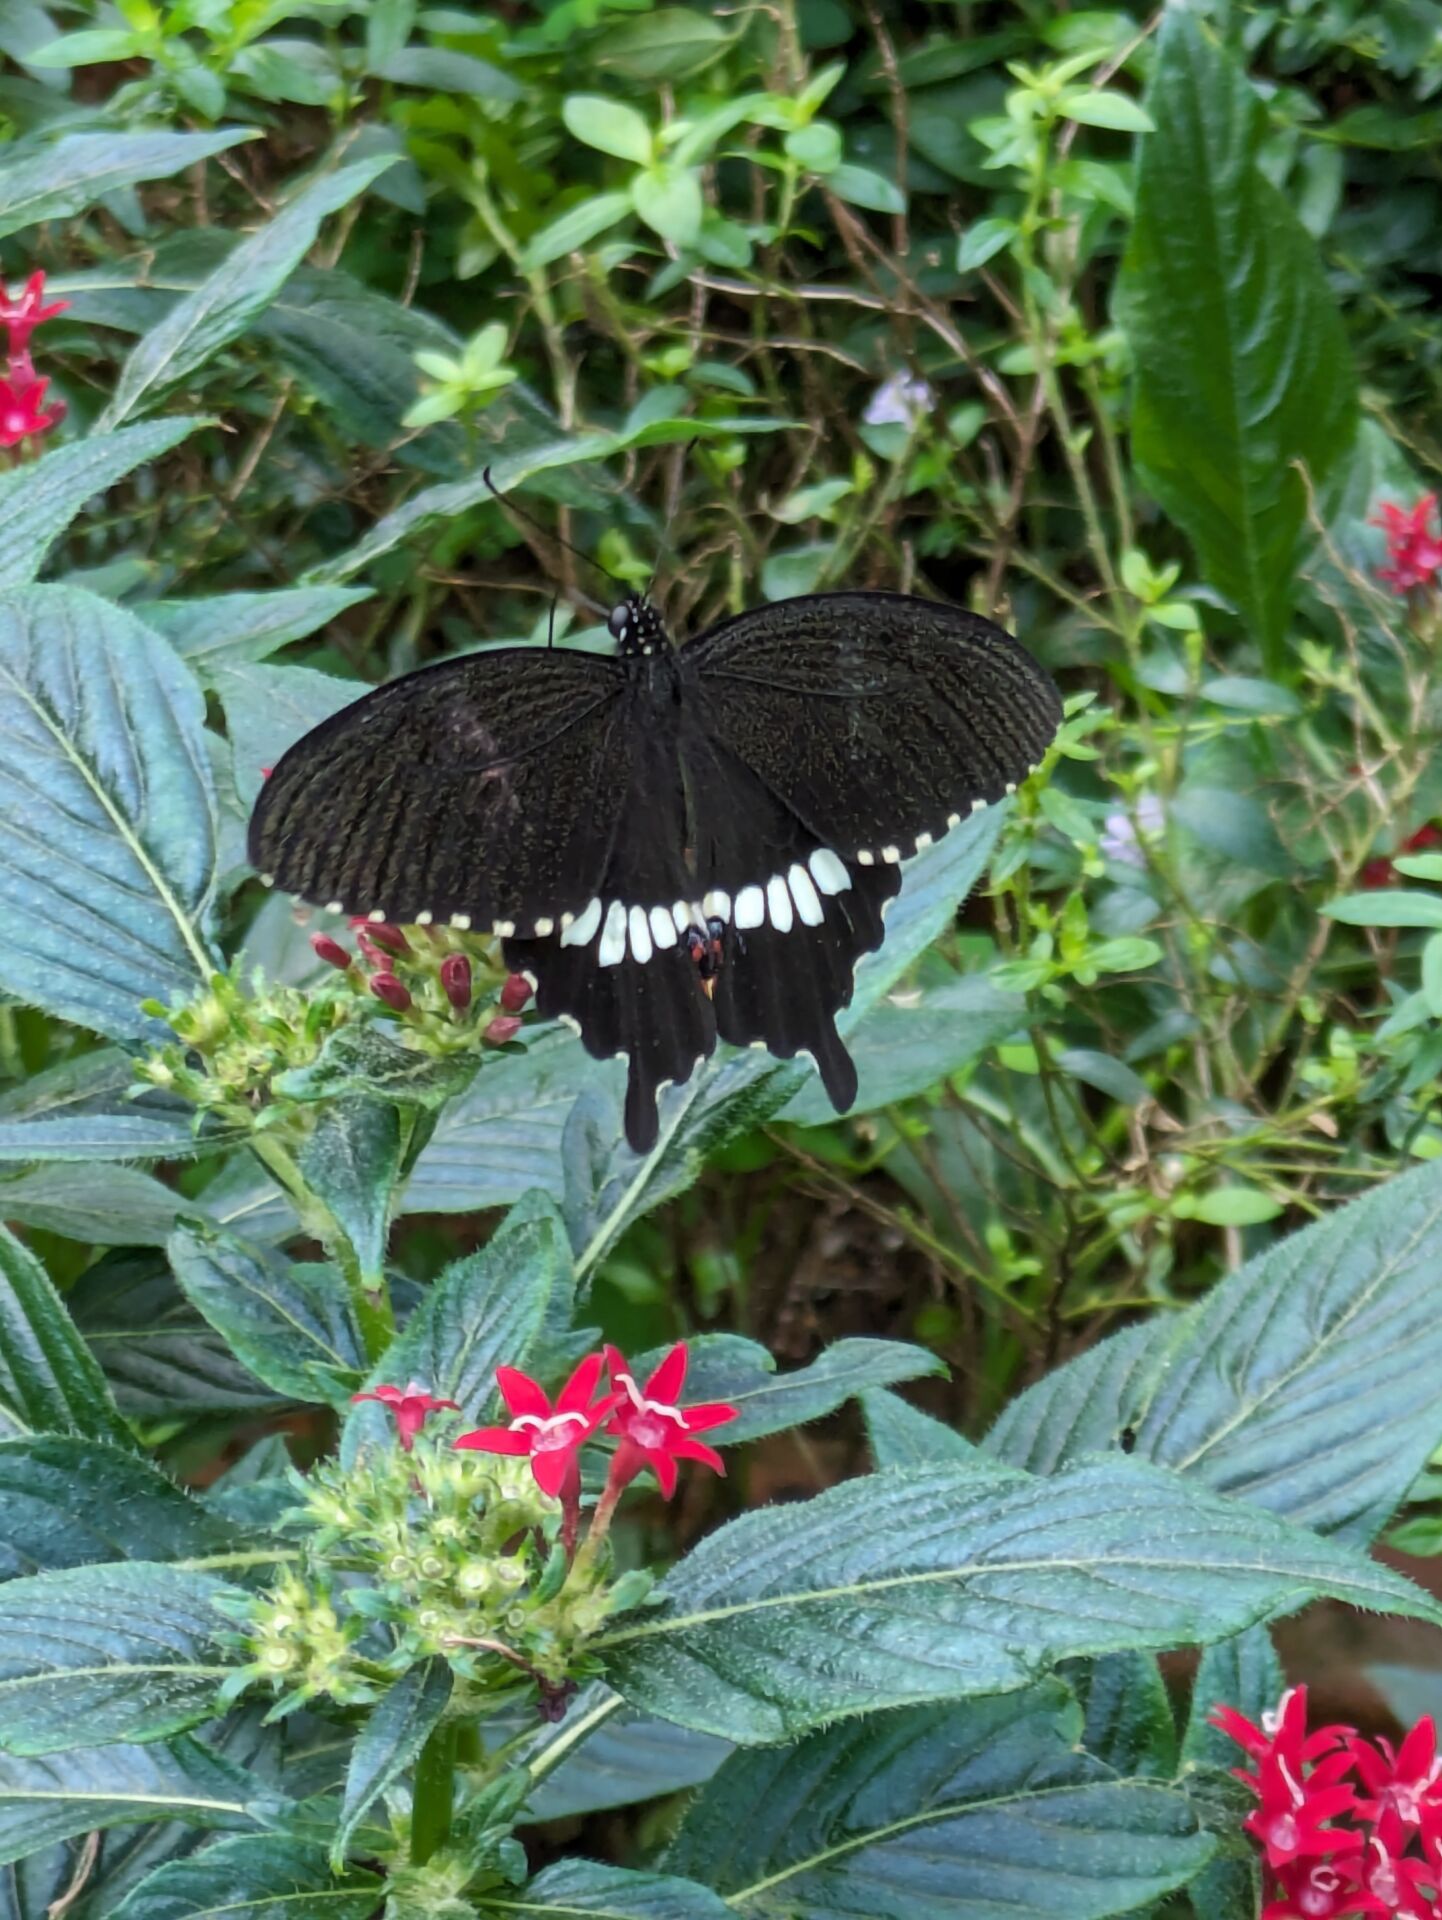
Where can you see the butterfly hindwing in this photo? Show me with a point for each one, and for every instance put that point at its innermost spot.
(489, 788)
(879, 719)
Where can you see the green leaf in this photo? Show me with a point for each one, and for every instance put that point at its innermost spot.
(89, 1655)
(107, 813)
(67, 1502)
(81, 1109)
(229, 628)
(46, 178)
(293, 1325)
(1244, 1673)
(39, 500)
(1303, 1383)
(43, 1800)
(983, 240)
(959, 1580)
(724, 1366)
(253, 1877)
(865, 187)
(444, 70)
(608, 126)
(903, 1436)
(1233, 1206)
(1242, 363)
(197, 327)
(1432, 975)
(362, 1059)
(575, 1887)
(352, 1161)
(670, 44)
(49, 1381)
(1129, 1724)
(960, 1813)
(268, 709)
(668, 198)
(1387, 907)
(1100, 107)
(130, 1208)
(816, 147)
(629, 1757)
(574, 228)
(389, 1744)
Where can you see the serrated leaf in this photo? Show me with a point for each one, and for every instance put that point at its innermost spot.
(197, 327)
(959, 1813)
(39, 501)
(362, 1059)
(351, 1161)
(1243, 369)
(107, 813)
(253, 1877)
(573, 1887)
(953, 1581)
(50, 179)
(46, 1799)
(902, 1436)
(129, 1209)
(389, 1743)
(1127, 1714)
(1305, 1382)
(1243, 1673)
(49, 1381)
(630, 1757)
(90, 1655)
(267, 709)
(66, 1502)
(227, 628)
(100, 1136)
(292, 1325)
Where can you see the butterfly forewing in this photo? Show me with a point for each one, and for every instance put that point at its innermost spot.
(488, 788)
(878, 718)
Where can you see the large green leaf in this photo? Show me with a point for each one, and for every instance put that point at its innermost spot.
(389, 1744)
(1242, 363)
(38, 501)
(122, 1651)
(247, 280)
(1305, 1383)
(293, 1325)
(233, 627)
(267, 709)
(903, 1436)
(49, 1382)
(576, 1887)
(951, 1581)
(46, 1799)
(253, 1877)
(107, 813)
(49, 179)
(351, 1161)
(67, 1502)
(957, 1813)
(629, 1757)
(122, 1208)
(83, 1108)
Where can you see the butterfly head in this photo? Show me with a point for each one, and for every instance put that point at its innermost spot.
(637, 628)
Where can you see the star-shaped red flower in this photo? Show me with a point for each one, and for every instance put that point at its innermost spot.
(22, 400)
(553, 1436)
(654, 1430)
(1414, 554)
(1405, 1783)
(412, 1407)
(23, 315)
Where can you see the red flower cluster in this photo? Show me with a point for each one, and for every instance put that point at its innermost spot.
(412, 1407)
(1386, 1856)
(387, 953)
(1381, 873)
(1414, 554)
(22, 390)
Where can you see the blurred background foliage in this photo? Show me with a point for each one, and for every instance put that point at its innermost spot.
(1116, 326)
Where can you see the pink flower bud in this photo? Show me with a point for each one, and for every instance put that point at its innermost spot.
(390, 939)
(331, 951)
(386, 987)
(503, 1028)
(515, 993)
(456, 980)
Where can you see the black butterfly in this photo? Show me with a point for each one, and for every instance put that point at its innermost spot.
(673, 844)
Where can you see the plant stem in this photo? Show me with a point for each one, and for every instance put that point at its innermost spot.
(372, 1304)
(434, 1796)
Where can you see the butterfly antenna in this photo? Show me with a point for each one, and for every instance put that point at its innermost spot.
(665, 550)
(548, 533)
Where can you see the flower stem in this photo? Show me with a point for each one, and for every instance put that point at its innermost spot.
(434, 1794)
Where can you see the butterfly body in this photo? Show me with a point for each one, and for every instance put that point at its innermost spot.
(676, 845)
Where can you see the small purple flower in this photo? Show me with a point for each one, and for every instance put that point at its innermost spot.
(1122, 834)
(900, 401)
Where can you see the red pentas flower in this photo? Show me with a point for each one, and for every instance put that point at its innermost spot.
(655, 1431)
(1381, 872)
(553, 1436)
(22, 315)
(1414, 554)
(412, 1407)
(1405, 1783)
(22, 399)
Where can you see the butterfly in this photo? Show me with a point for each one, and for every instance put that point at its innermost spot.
(674, 845)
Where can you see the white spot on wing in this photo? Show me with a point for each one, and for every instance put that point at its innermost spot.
(717, 904)
(865, 857)
(953, 820)
(267, 879)
(461, 922)
(569, 1021)
(828, 872)
(808, 901)
(503, 929)
(640, 934)
(978, 806)
(750, 908)
(424, 917)
(582, 930)
(778, 904)
(892, 856)
(544, 928)
(377, 916)
(681, 914)
(923, 841)
(335, 906)
(663, 927)
(612, 950)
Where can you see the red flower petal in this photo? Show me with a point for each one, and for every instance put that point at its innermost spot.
(522, 1394)
(494, 1440)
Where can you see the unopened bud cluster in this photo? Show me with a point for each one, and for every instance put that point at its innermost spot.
(404, 1555)
(440, 987)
